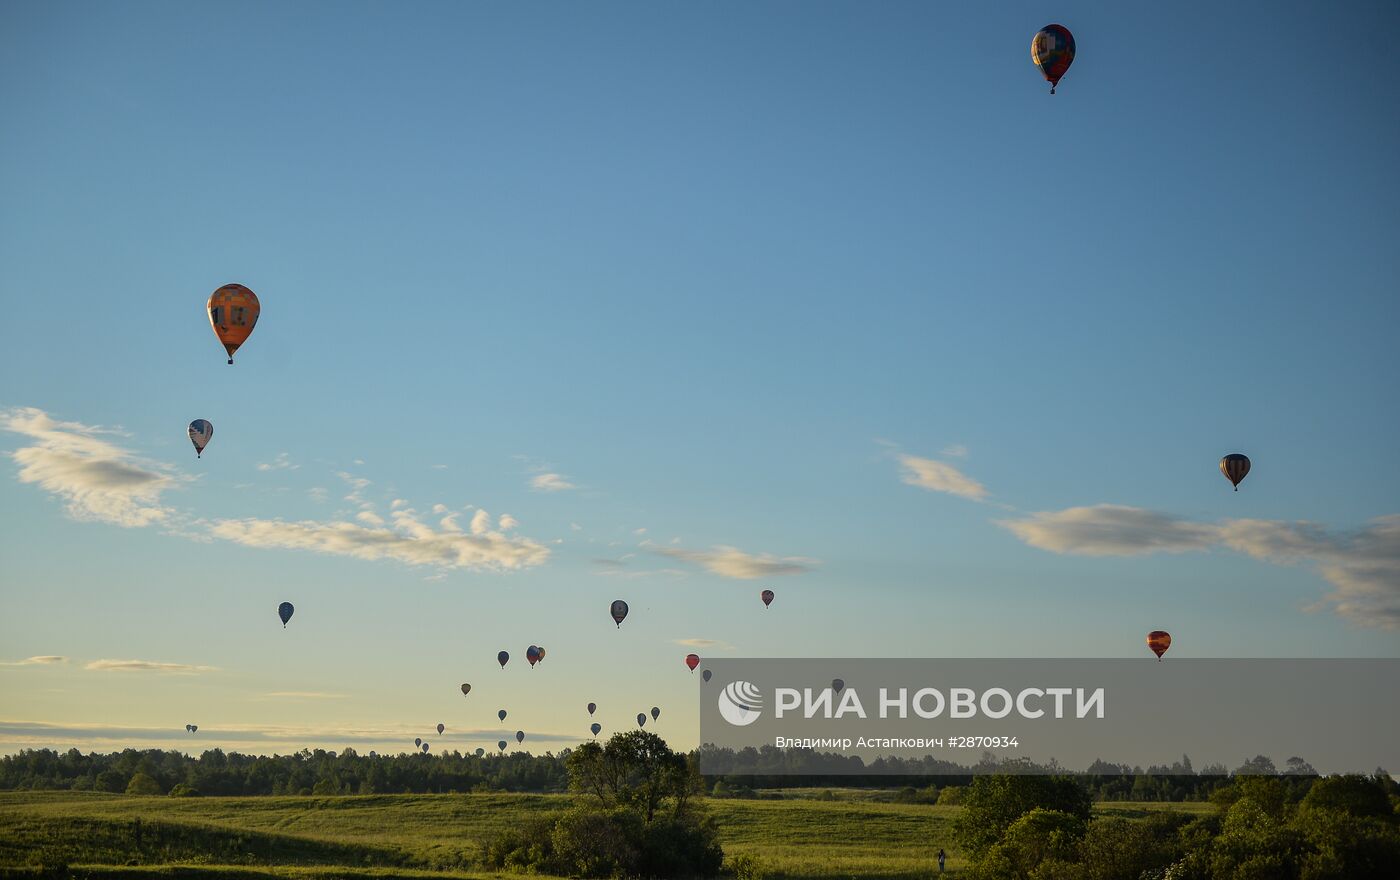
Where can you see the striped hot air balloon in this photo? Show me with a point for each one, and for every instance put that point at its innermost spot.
(1235, 467)
(1159, 641)
(1052, 50)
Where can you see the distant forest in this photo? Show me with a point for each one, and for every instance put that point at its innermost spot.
(751, 771)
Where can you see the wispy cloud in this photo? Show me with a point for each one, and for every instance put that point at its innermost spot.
(956, 450)
(303, 695)
(147, 666)
(715, 644)
(1363, 566)
(732, 562)
(41, 660)
(99, 480)
(406, 539)
(939, 476)
(550, 483)
(282, 462)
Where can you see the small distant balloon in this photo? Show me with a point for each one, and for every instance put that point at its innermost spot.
(425, 748)
(707, 675)
(1235, 467)
(285, 611)
(194, 728)
(541, 652)
(233, 312)
(201, 432)
(592, 707)
(466, 688)
(501, 745)
(441, 728)
(501, 714)
(837, 684)
(520, 736)
(655, 713)
(641, 719)
(532, 655)
(1159, 641)
(418, 741)
(595, 727)
(619, 612)
(503, 658)
(692, 660)
(1052, 50)
(767, 597)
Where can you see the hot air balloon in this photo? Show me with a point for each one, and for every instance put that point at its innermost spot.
(480, 752)
(501, 745)
(503, 658)
(692, 660)
(520, 736)
(541, 652)
(441, 728)
(532, 655)
(706, 674)
(655, 713)
(592, 707)
(619, 612)
(1159, 642)
(285, 611)
(466, 688)
(767, 597)
(194, 728)
(641, 719)
(418, 741)
(233, 312)
(201, 432)
(595, 727)
(1235, 467)
(501, 714)
(425, 748)
(1052, 50)
(837, 684)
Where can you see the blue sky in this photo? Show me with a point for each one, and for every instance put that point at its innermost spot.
(946, 361)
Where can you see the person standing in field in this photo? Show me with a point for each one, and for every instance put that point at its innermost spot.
(941, 856)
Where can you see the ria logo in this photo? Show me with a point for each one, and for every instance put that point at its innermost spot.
(740, 703)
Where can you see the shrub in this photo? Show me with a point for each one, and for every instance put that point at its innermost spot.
(143, 784)
(183, 790)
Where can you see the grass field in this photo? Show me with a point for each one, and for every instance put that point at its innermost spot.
(439, 835)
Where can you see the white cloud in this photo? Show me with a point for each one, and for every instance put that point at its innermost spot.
(481, 522)
(99, 480)
(641, 531)
(407, 540)
(550, 483)
(41, 660)
(440, 509)
(147, 666)
(369, 518)
(319, 494)
(938, 476)
(283, 462)
(956, 450)
(1363, 567)
(732, 562)
(717, 644)
(507, 522)
(1110, 530)
(357, 487)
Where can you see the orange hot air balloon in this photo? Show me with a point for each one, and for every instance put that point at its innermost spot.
(692, 660)
(233, 312)
(1159, 642)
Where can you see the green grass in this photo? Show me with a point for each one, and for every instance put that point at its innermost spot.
(388, 836)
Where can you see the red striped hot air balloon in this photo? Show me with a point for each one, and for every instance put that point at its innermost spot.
(1159, 641)
(1235, 467)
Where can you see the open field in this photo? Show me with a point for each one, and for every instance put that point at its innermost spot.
(441, 835)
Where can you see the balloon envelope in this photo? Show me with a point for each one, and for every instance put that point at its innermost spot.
(837, 684)
(418, 740)
(520, 736)
(1235, 467)
(201, 432)
(541, 652)
(425, 747)
(592, 707)
(618, 611)
(441, 728)
(501, 714)
(1159, 641)
(1052, 50)
(501, 745)
(595, 727)
(706, 674)
(767, 596)
(503, 658)
(466, 688)
(285, 611)
(532, 655)
(233, 312)
(692, 660)
(655, 713)
(480, 752)
(641, 719)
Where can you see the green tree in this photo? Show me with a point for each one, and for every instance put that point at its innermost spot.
(142, 783)
(992, 803)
